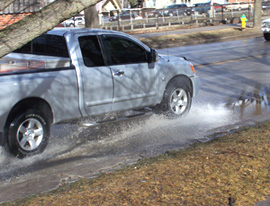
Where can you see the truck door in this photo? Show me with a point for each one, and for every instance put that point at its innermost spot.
(96, 79)
(134, 81)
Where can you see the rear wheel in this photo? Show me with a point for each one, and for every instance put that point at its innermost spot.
(266, 36)
(177, 98)
(28, 133)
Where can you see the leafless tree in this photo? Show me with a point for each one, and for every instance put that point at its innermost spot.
(23, 31)
(91, 17)
(257, 14)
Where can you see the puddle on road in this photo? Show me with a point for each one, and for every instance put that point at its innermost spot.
(250, 104)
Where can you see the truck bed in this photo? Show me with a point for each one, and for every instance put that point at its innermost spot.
(17, 62)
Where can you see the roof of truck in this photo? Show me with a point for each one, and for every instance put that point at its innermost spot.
(61, 31)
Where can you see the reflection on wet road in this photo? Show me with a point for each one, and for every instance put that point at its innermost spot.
(235, 90)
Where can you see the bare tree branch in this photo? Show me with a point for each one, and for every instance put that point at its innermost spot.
(5, 3)
(17, 34)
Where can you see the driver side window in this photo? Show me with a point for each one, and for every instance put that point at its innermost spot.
(124, 51)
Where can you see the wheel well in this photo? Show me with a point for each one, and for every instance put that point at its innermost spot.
(183, 78)
(31, 103)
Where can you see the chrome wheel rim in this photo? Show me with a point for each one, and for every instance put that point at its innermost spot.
(178, 101)
(30, 134)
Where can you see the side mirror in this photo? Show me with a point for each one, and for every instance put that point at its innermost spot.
(153, 56)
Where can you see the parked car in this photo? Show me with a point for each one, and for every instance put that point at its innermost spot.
(125, 16)
(201, 8)
(68, 74)
(239, 6)
(175, 10)
(148, 12)
(265, 5)
(266, 29)
(218, 7)
(74, 22)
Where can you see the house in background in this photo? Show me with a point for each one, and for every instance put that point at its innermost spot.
(245, 1)
(22, 8)
(163, 3)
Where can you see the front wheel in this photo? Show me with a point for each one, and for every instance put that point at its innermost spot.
(177, 98)
(266, 36)
(28, 133)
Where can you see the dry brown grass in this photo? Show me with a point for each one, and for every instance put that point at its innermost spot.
(173, 40)
(235, 167)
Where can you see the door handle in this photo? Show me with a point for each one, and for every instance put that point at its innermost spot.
(118, 73)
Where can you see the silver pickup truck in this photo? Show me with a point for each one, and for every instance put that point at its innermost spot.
(71, 73)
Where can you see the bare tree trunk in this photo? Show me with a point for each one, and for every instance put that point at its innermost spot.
(23, 31)
(257, 21)
(91, 17)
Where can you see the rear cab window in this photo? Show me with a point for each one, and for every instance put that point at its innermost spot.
(46, 44)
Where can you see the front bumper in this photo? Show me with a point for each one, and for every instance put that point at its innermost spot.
(196, 82)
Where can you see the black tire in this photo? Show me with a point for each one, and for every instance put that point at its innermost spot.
(266, 36)
(28, 133)
(177, 98)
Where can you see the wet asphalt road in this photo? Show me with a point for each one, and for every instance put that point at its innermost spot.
(234, 92)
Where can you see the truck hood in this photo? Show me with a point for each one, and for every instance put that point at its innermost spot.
(176, 65)
(171, 58)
